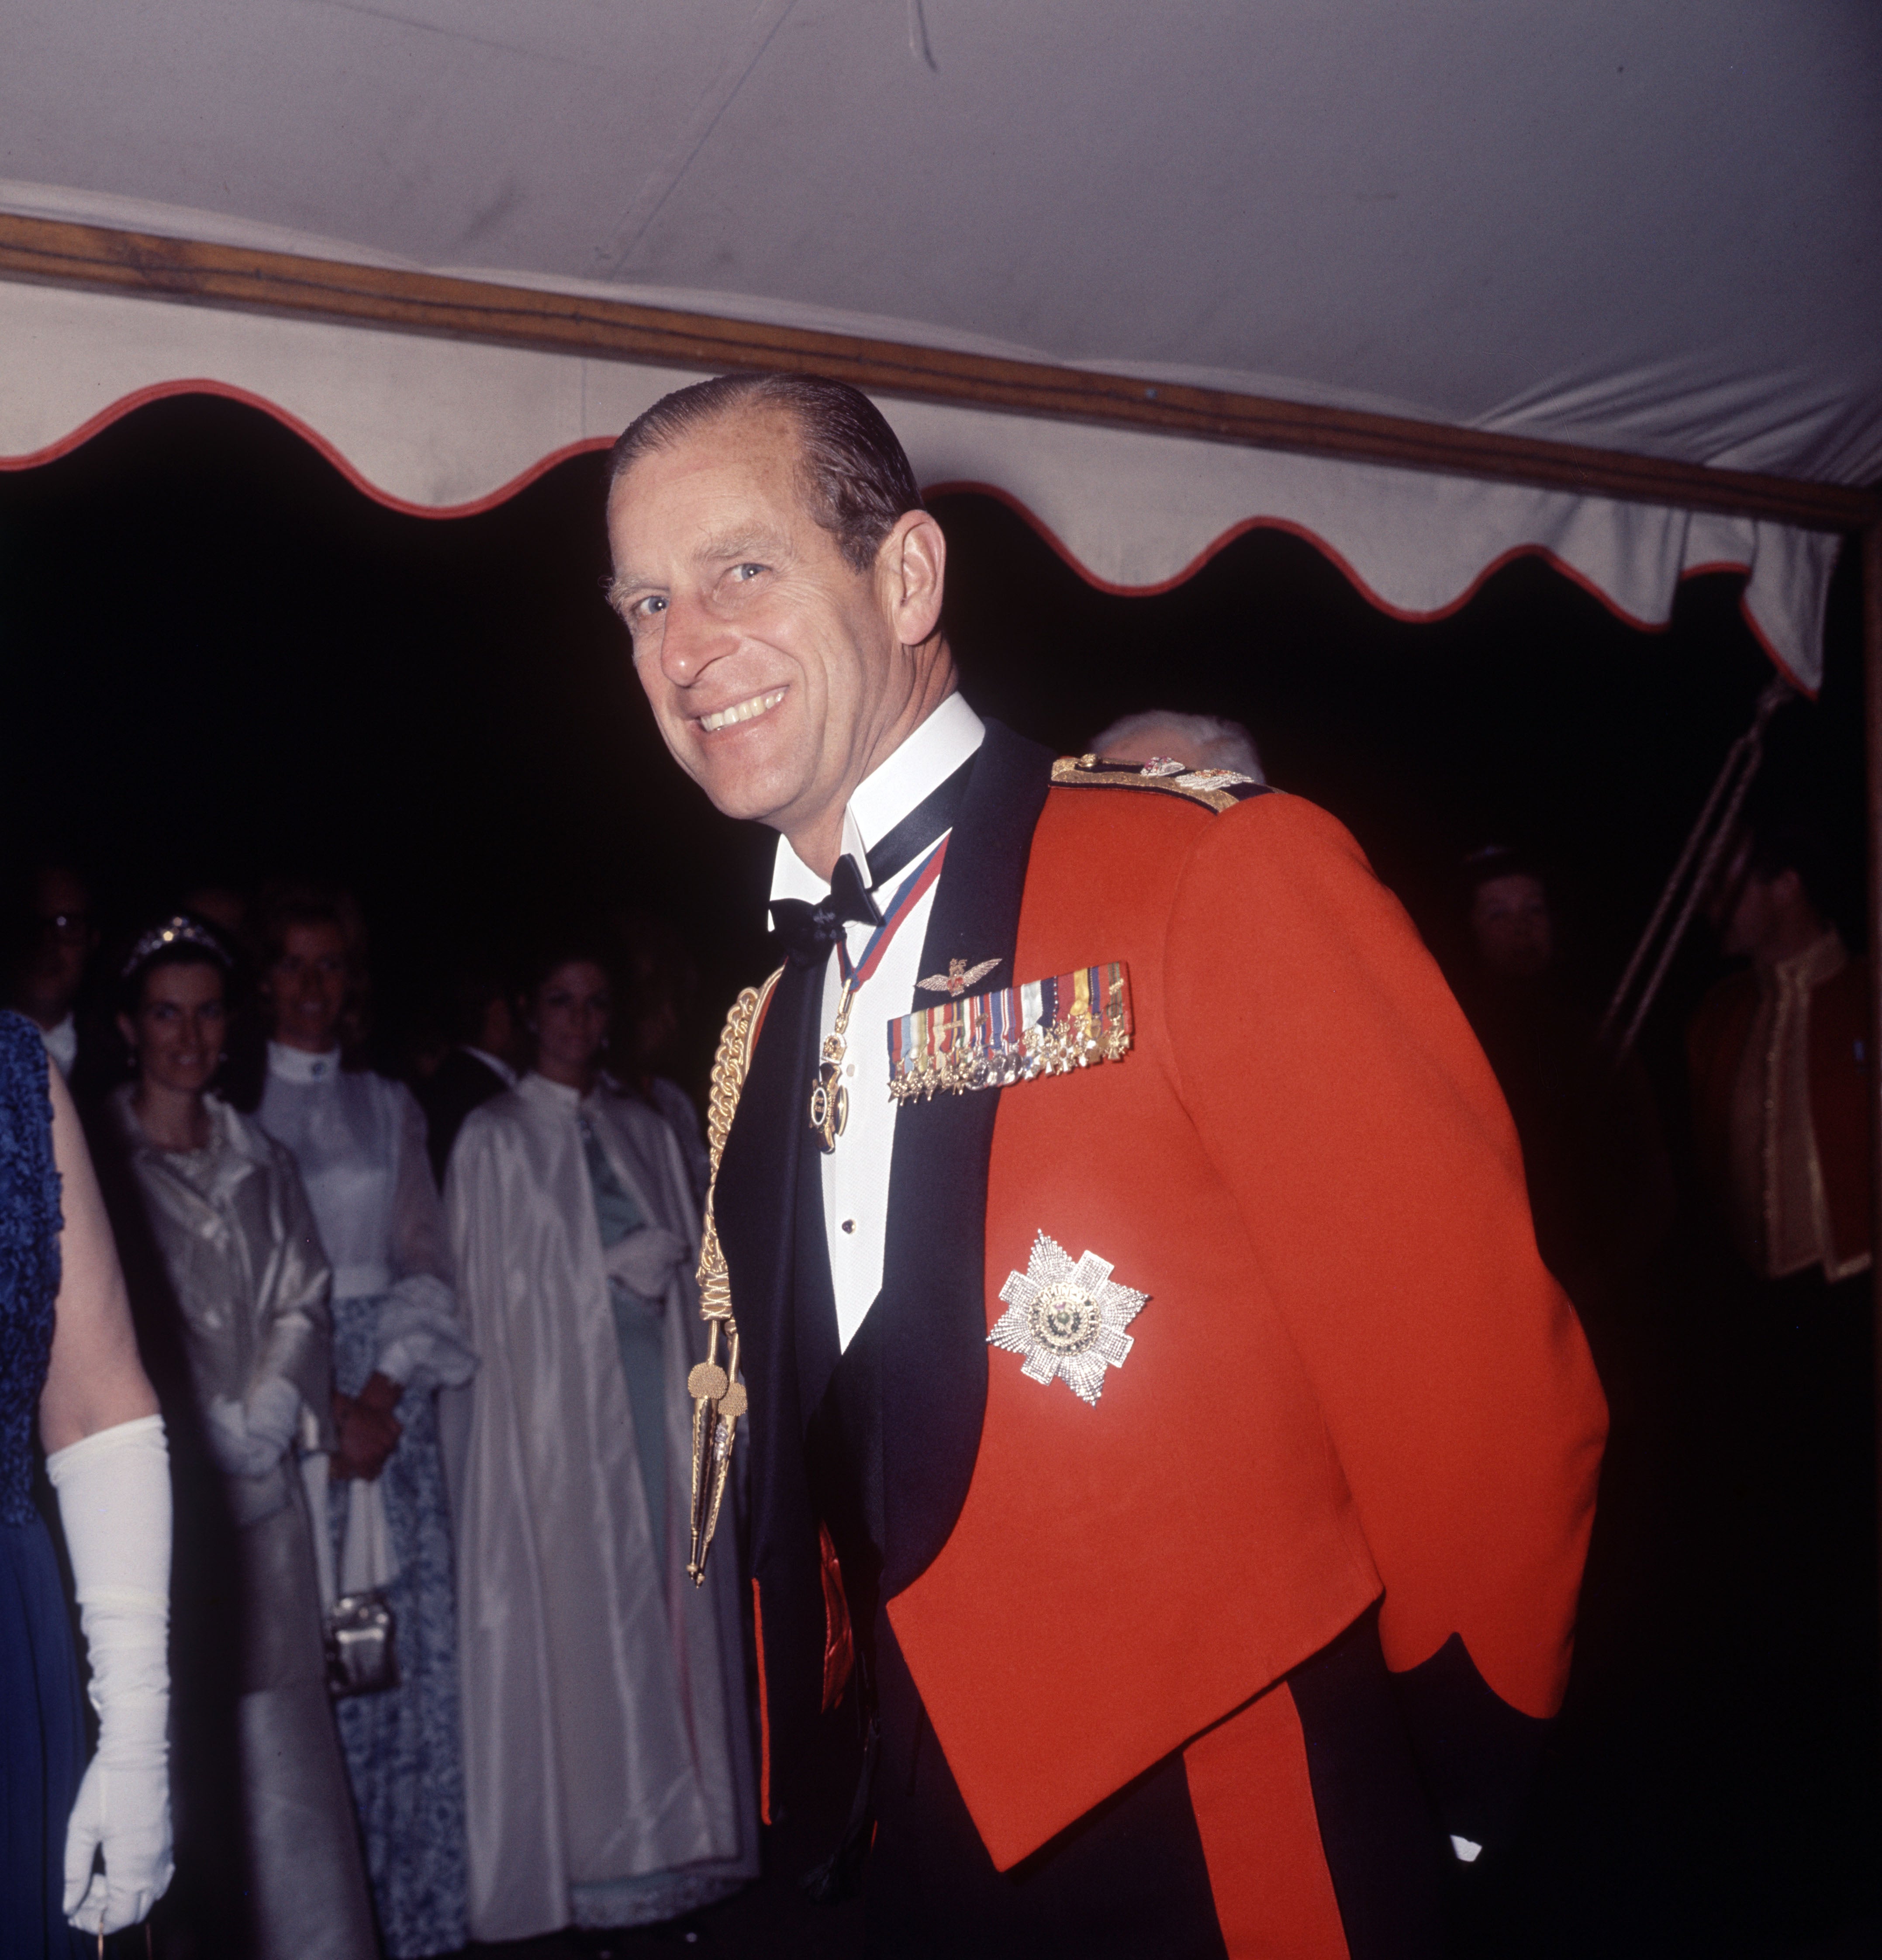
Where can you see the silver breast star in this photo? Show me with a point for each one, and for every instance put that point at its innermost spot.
(1066, 1320)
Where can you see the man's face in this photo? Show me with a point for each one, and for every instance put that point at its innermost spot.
(768, 659)
(61, 945)
(1509, 918)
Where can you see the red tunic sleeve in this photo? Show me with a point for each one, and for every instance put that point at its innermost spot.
(1366, 1144)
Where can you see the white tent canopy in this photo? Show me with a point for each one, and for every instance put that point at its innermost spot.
(1643, 224)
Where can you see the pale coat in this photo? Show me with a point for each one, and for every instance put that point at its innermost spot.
(605, 1731)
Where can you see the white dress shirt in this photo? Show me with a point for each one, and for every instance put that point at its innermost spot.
(855, 1175)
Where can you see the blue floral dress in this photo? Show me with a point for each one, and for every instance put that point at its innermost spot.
(41, 1736)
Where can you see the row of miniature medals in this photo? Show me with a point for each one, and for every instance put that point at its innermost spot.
(978, 1041)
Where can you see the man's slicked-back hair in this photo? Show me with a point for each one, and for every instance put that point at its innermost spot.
(855, 477)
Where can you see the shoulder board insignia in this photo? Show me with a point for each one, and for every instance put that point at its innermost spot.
(1218, 789)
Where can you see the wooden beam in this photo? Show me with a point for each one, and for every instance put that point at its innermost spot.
(41, 248)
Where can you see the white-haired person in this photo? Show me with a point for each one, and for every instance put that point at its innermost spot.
(1200, 741)
(69, 1365)
(233, 1268)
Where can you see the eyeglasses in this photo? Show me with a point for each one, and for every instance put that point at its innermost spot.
(68, 928)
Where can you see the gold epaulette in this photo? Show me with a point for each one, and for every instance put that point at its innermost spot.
(719, 1397)
(1217, 789)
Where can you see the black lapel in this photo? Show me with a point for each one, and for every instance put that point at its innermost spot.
(934, 1360)
(755, 1206)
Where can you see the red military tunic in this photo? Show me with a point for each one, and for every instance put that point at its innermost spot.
(1352, 1382)
(1353, 1378)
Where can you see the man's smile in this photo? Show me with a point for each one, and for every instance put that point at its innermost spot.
(742, 711)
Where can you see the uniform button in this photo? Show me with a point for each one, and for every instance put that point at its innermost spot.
(849, 1224)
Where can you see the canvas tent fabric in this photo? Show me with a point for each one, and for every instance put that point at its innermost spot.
(1648, 225)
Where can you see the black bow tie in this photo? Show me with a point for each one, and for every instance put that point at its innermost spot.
(807, 932)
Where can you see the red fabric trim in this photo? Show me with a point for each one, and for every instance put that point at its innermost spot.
(1254, 1803)
(1217, 545)
(1410, 614)
(162, 390)
(763, 1709)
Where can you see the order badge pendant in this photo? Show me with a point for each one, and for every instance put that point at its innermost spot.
(1066, 1319)
(829, 1100)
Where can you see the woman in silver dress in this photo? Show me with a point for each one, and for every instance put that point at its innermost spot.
(248, 1283)
(359, 1142)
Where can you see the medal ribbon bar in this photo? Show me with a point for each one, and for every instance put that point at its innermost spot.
(1013, 1034)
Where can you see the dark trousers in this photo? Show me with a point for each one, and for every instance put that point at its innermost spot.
(1129, 1880)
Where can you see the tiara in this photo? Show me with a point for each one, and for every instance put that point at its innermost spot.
(175, 931)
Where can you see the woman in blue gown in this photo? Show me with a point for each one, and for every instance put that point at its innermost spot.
(68, 1362)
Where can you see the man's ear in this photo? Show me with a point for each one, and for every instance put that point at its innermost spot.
(128, 1028)
(911, 569)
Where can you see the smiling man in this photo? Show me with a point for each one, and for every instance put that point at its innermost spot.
(1168, 1451)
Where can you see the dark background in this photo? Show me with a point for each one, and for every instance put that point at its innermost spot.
(222, 662)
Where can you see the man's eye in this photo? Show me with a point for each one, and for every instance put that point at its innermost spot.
(645, 609)
(743, 572)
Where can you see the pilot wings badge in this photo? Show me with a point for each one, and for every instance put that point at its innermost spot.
(958, 978)
(1067, 1320)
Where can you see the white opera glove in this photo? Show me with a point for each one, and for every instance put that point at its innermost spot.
(644, 1261)
(249, 1438)
(114, 1505)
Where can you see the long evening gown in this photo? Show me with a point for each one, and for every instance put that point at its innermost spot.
(608, 1758)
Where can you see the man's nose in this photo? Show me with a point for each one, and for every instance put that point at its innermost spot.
(691, 639)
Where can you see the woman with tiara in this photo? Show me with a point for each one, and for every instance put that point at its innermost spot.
(69, 1366)
(237, 1252)
(359, 1141)
(608, 1755)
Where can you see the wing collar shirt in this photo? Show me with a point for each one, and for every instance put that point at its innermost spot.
(855, 1175)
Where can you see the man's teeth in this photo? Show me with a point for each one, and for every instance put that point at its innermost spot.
(746, 710)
